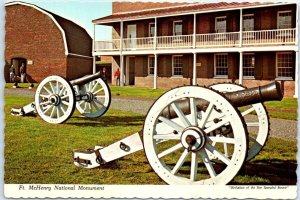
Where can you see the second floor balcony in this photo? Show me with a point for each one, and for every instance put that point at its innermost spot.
(259, 38)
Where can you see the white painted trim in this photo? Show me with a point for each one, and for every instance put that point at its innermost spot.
(174, 26)
(220, 76)
(78, 55)
(276, 61)
(241, 66)
(50, 16)
(285, 11)
(199, 12)
(173, 66)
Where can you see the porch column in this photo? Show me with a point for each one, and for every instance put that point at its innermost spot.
(121, 55)
(296, 74)
(93, 51)
(195, 69)
(297, 24)
(155, 32)
(241, 69)
(155, 72)
(241, 27)
(194, 32)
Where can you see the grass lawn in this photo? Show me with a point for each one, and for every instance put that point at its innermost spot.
(130, 91)
(38, 152)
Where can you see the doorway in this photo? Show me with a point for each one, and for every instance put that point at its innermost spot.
(131, 35)
(16, 62)
(130, 70)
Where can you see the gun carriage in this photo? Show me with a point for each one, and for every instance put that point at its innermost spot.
(196, 135)
(56, 98)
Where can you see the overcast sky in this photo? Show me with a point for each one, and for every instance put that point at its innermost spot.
(80, 12)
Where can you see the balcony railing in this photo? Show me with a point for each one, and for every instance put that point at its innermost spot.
(231, 39)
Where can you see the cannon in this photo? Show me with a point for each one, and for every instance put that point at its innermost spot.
(195, 135)
(56, 98)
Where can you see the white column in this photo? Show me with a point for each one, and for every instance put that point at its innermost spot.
(155, 72)
(121, 56)
(195, 69)
(296, 74)
(93, 51)
(194, 32)
(241, 69)
(241, 27)
(297, 24)
(155, 32)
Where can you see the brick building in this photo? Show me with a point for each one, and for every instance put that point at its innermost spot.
(169, 44)
(46, 43)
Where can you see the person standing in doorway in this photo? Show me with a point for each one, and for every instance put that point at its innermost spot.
(22, 72)
(117, 77)
(11, 73)
(104, 74)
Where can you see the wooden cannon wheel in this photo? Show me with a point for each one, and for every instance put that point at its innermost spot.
(55, 100)
(257, 123)
(177, 148)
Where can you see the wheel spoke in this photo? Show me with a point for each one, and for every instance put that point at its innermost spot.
(166, 137)
(206, 115)
(47, 90)
(171, 124)
(218, 154)
(221, 139)
(180, 114)
(90, 107)
(62, 91)
(194, 166)
(100, 96)
(252, 124)
(85, 106)
(49, 107)
(180, 162)
(44, 103)
(246, 112)
(52, 112)
(57, 87)
(62, 108)
(98, 91)
(194, 113)
(52, 88)
(45, 96)
(252, 139)
(215, 126)
(58, 112)
(65, 103)
(99, 102)
(170, 150)
(64, 97)
(207, 163)
(94, 87)
(95, 105)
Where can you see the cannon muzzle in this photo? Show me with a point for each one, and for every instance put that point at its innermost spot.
(86, 79)
(260, 94)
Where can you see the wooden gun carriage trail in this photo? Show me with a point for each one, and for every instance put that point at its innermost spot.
(192, 126)
(186, 128)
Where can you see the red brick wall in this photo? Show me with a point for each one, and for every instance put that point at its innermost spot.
(78, 67)
(34, 38)
(118, 7)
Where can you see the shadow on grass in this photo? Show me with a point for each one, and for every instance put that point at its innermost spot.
(108, 121)
(278, 172)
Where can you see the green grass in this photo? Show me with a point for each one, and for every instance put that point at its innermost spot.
(38, 152)
(129, 91)
(21, 85)
(285, 109)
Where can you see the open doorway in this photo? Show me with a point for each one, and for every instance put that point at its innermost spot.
(130, 70)
(17, 62)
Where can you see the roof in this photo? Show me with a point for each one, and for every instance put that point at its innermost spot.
(61, 24)
(176, 10)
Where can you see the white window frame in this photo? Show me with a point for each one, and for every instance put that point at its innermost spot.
(151, 23)
(282, 77)
(149, 58)
(173, 56)
(215, 66)
(248, 77)
(285, 11)
(216, 19)
(174, 30)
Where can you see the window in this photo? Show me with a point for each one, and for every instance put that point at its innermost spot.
(284, 63)
(151, 29)
(248, 65)
(150, 65)
(248, 22)
(220, 25)
(177, 28)
(284, 20)
(177, 65)
(221, 67)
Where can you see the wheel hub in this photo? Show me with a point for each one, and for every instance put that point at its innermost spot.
(55, 99)
(193, 139)
(89, 97)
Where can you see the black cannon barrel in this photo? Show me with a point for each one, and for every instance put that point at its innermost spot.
(260, 94)
(86, 79)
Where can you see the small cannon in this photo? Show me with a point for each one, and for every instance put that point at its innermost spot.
(196, 135)
(55, 98)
